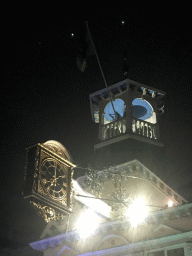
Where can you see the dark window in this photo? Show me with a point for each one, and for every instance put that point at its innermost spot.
(158, 253)
(52, 227)
(176, 252)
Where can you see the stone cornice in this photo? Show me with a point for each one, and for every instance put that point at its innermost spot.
(113, 226)
(139, 247)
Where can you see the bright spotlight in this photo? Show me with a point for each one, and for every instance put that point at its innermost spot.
(137, 212)
(87, 223)
(170, 203)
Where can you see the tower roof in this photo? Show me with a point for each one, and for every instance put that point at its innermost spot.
(116, 89)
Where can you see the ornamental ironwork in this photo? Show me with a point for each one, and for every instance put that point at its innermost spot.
(117, 199)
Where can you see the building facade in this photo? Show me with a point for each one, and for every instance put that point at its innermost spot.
(126, 208)
(166, 230)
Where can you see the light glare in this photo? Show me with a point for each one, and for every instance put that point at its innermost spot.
(170, 203)
(96, 205)
(137, 212)
(87, 223)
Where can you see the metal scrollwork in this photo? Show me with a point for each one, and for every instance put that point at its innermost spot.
(117, 199)
(26, 164)
(48, 213)
(118, 196)
(37, 160)
(94, 181)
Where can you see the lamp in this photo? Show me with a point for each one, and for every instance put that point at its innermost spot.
(87, 223)
(137, 212)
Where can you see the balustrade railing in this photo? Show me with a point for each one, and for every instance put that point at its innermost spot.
(144, 128)
(118, 127)
(113, 129)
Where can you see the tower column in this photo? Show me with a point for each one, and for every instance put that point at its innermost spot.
(128, 102)
(101, 123)
(157, 121)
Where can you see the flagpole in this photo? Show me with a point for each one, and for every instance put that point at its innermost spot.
(101, 70)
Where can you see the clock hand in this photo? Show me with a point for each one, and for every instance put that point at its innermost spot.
(51, 181)
(55, 176)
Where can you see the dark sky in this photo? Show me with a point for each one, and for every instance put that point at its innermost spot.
(45, 96)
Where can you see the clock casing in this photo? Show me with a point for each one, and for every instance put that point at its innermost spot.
(48, 181)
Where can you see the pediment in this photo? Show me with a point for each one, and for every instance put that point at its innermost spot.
(66, 251)
(139, 182)
(110, 242)
(163, 230)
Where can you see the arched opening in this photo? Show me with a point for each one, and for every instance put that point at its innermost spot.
(142, 109)
(110, 115)
(114, 121)
(144, 118)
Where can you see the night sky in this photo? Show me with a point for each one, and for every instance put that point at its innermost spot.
(45, 96)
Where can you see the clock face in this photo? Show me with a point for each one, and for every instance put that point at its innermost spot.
(53, 178)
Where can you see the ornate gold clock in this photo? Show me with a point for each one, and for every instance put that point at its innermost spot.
(48, 179)
(53, 179)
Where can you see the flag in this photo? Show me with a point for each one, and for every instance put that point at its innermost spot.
(85, 48)
(125, 68)
(123, 32)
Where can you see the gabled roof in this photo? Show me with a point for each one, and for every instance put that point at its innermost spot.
(163, 230)
(140, 182)
(117, 89)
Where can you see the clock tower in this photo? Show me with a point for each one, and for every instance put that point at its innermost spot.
(128, 110)
(129, 117)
